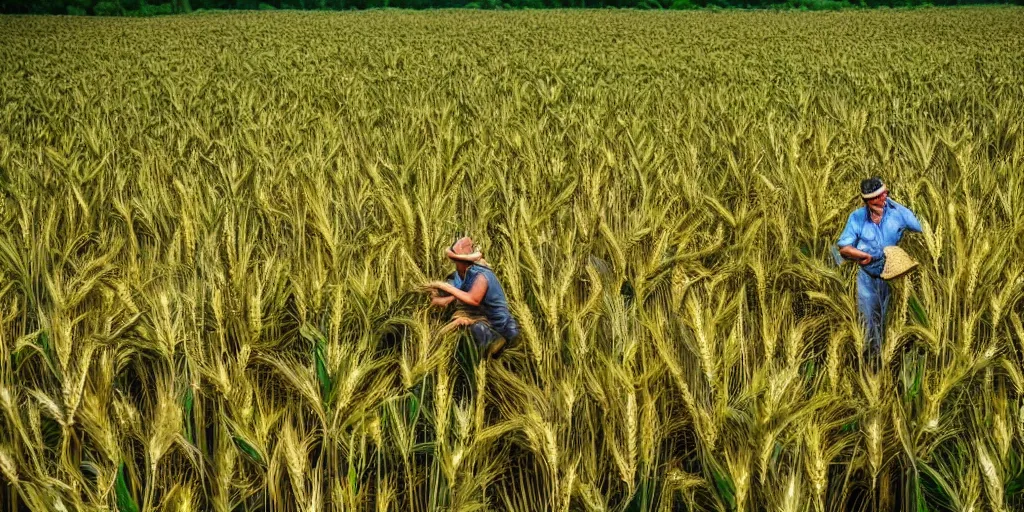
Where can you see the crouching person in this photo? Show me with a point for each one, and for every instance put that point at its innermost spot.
(480, 301)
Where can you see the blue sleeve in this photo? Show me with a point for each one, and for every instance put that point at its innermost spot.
(452, 279)
(467, 283)
(851, 233)
(909, 219)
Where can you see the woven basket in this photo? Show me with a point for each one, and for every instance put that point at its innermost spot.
(897, 263)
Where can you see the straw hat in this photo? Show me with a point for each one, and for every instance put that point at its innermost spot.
(463, 250)
(897, 262)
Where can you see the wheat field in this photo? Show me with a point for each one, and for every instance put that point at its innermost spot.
(214, 227)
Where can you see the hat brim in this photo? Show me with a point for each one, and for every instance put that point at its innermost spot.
(468, 258)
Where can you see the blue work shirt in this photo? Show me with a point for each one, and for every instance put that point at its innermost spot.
(455, 279)
(494, 306)
(872, 238)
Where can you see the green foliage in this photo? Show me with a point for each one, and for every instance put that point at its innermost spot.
(154, 10)
(920, 315)
(817, 5)
(125, 501)
(108, 9)
(248, 449)
(187, 405)
(141, 8)
(323, 374)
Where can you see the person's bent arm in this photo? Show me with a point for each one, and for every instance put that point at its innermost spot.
(441, 301)
(473, 298)
(853, 253)
(848, 238)
(910, 220)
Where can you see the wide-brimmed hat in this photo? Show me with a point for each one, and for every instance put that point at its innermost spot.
(463, 250)
(897, 263)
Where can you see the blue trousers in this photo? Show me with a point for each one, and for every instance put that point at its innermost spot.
(873, 303)
(484, 335)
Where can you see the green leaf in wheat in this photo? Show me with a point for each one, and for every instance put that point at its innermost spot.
(125, 501)
(1014, 466)
(353, 480)
(919, 314)
(323, 376)
(44, 344)
(247, 449)
(414, 407)
(187, 403)
(723, 483)
(919, 502)
(935, 484)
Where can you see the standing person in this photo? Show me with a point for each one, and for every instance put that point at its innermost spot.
(480, 299)
(869, 230)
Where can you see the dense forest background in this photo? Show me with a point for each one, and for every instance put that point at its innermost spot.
(156, 7)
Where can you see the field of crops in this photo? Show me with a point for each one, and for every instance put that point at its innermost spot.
(212, 230)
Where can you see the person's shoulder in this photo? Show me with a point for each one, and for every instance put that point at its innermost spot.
(479, 270)
(898, 206)
(859, 215)
(473, 271)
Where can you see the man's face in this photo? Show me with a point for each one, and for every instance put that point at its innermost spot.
(879, 201)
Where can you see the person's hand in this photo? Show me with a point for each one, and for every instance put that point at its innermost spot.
(462, 321)
(866, 260)
(437, 285)
(455, 323)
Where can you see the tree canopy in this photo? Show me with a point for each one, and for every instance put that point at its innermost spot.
(156, 7)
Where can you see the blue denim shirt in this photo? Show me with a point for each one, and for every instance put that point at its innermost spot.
(455, 280)
(494, 305)
(872, 238)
